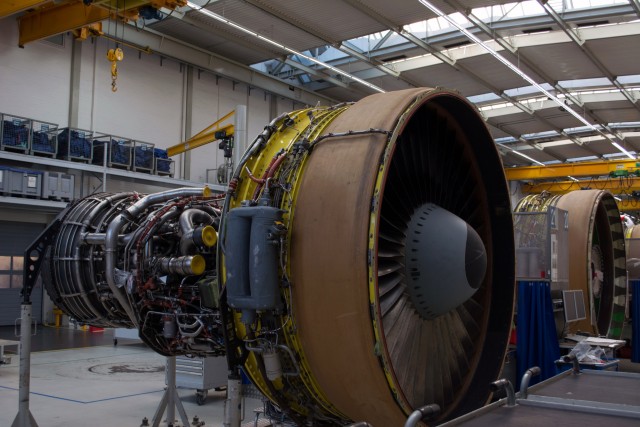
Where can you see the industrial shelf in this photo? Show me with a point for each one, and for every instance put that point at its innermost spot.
(37, 204)
(99, 169)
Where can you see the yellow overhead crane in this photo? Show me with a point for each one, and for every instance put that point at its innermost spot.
(617, 176)
(214, 132)
(616, 185)
(42, 19)
(563, 170)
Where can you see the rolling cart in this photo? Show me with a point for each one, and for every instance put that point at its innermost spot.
(201, 374)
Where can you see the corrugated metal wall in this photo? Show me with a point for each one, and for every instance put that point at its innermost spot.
(14, 239)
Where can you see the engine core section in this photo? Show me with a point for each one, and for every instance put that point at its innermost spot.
(146, 262)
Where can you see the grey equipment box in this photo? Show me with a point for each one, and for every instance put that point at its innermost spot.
(201, 374)
(20, 182)
(5, 358)
(58, 186)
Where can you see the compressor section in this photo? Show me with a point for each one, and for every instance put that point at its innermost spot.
(366, 255)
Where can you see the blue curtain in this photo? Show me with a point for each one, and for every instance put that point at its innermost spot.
(635, 320)
(537, 343)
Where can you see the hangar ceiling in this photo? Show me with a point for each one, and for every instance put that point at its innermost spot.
(556, 81)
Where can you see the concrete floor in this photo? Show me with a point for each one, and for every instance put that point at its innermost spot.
(99, 384)
(80, 378)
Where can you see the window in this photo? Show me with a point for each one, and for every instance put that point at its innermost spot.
(11, 271)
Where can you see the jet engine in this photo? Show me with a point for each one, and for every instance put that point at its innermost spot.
(364, 264)
(597, 261)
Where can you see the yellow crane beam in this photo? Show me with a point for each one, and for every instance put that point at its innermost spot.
(627, 205)
(615, 185)
(49, 18)
(597, 168)
(205, 136)
(10, 7)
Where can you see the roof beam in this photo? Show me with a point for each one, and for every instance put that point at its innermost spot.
(266, 8)
(316, 73)
(530, 64)
(481, 25)
(206, 60)
(636, 6)
(573, 35)
(383, 40)
(400, 31)
(449, 61)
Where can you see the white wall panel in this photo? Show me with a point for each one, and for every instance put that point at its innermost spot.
(208, 106)
(148, 106)
(148, 103)
(257, 113)
(34, 81)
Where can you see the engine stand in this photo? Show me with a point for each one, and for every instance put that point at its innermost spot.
(33, 257)
(24, 417)
(170, 399)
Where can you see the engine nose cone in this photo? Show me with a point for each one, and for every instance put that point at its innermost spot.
(445, 260)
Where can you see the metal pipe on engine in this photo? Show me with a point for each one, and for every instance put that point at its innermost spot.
(192, 235)
(198, 323)
(188, 265)
(119, 222)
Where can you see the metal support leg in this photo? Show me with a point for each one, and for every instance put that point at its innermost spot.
(170, 399)
(233, 404)
(24, 417)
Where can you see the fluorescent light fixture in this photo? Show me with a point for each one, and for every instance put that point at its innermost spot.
(516, 70)
(573, 179)
(619, 147)
(281, 46)
(527, 157)
(617, 198)
(556, 143)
